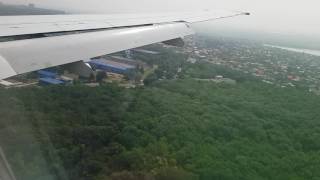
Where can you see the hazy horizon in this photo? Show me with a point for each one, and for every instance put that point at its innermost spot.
(294, 19)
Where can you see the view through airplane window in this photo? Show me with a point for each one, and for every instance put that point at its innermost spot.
(94, 92)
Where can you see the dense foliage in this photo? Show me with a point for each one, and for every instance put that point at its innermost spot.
(176, 127)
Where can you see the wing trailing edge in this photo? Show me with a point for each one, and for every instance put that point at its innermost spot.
(33, 54)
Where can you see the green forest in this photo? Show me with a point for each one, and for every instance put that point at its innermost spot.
(176, 128)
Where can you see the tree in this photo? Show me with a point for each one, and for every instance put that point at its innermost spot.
(101, 75)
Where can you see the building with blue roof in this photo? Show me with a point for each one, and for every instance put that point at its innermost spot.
(50, 81)
(111, 66)
(47, 74)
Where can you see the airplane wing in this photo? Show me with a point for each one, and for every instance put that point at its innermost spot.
(29, 43)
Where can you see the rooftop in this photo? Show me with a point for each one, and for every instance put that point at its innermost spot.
(47, 73)
(51, 81)
(111, 64)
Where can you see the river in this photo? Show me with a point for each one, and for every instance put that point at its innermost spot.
(306, 51)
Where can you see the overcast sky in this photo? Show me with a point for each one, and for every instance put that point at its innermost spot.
(276, 16)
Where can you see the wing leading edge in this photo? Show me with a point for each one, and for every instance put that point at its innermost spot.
(112, 33)
(22, 25)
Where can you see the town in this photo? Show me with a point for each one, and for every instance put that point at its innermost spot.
(271, 65)
(132, 67)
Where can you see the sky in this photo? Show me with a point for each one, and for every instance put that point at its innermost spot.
(294, 17)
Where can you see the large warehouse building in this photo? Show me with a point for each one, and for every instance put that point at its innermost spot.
(111, 66)
(128, 61)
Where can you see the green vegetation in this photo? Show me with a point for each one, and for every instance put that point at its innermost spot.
(175, 128)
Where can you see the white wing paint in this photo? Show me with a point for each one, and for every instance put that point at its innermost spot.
(112, 33)
(19, 25)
